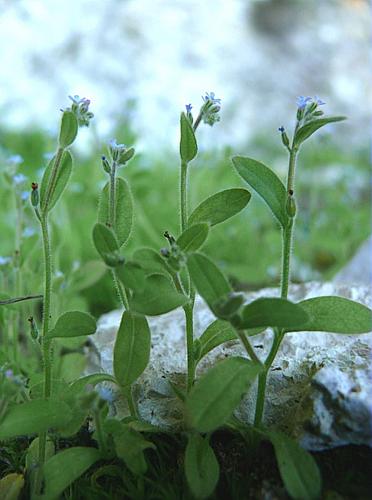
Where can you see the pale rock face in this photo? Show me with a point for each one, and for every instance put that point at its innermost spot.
(319, 388)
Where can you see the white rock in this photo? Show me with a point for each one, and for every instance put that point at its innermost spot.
(319, 387)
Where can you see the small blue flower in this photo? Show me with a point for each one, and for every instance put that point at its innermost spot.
(281, 129)
(210, 96)
(15, 159)
(302, 101)
(25, 195)
(5, 260)
(19, 178)
(28, 231)
(106, 394)
(9, 374)
(188, 108)
(115, 146)
(318, 101)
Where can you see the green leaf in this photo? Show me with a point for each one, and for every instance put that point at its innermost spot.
(215, 396)
(131, 275)
(129, 445)
(151, 261)
(132, 348)
(309, 128)
(64, 468)
(188, 145)
(193, 237)
(11, 486)
(123, 211)
(266, 183)
(33, 417)
(87, 275)
(70, 366)
(220, 206)
(216, 334)
(61, 180)
(95, 378)
(201, 467)
(73, 324)
(273, 312)
(106, 244)
(335, 315)
(207, 278)
(158, 297)
(68, 130)
(298, 469)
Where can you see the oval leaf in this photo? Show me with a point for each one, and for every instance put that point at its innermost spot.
(188, 145)
(132, 348)
(106, 244)
(131, 275)
(123, 210)
(193, 237)
(33, 417)
(298, 469)
(11, 486)
(336, 315)
(68, 130)
(266, 183)
(73, 324)
(273, 312)
(220, 206)
(151, 261)
(215, 396)
(158, 297)
(95, 378)
(216, 334)
(60, 181)
(309, 128)
(207, 278)
(64, 468)
(88, 274)
(201, 467)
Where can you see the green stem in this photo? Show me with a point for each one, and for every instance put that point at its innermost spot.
(189, 317)
(45, 344)
(287, 235)
(247, 345)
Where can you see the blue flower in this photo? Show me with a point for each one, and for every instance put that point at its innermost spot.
(25, 195)
(281, 129)
(4, 260)
(106, 394)
(302, 101)
(19, 178)
(28, 231)
(210, 96)
(318, 101)
(188, 108)
(9, 374)
(15, 159)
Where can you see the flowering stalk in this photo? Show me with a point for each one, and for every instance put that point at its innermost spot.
(306, 111)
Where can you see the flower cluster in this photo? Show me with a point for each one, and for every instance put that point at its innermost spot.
(80, 107)
(119, 153)
(307, 108)
(208, 112)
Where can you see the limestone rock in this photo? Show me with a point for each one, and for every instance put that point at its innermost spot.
(319, 388)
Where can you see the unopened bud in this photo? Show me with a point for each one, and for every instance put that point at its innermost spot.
(285, 139)
(35, 194)
(125, 156)
(106, 165)
(34, 329)
(291, 205)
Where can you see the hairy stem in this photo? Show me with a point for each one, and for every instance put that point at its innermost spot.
(247, 345)
(183, 193)
(287, 235)
(45, 344)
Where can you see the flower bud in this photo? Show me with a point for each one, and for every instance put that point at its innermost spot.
(106, 165)
(125, 156)
(228, 306)
(291, 205)
(34, 329)
(35, 194)
(285, 139)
